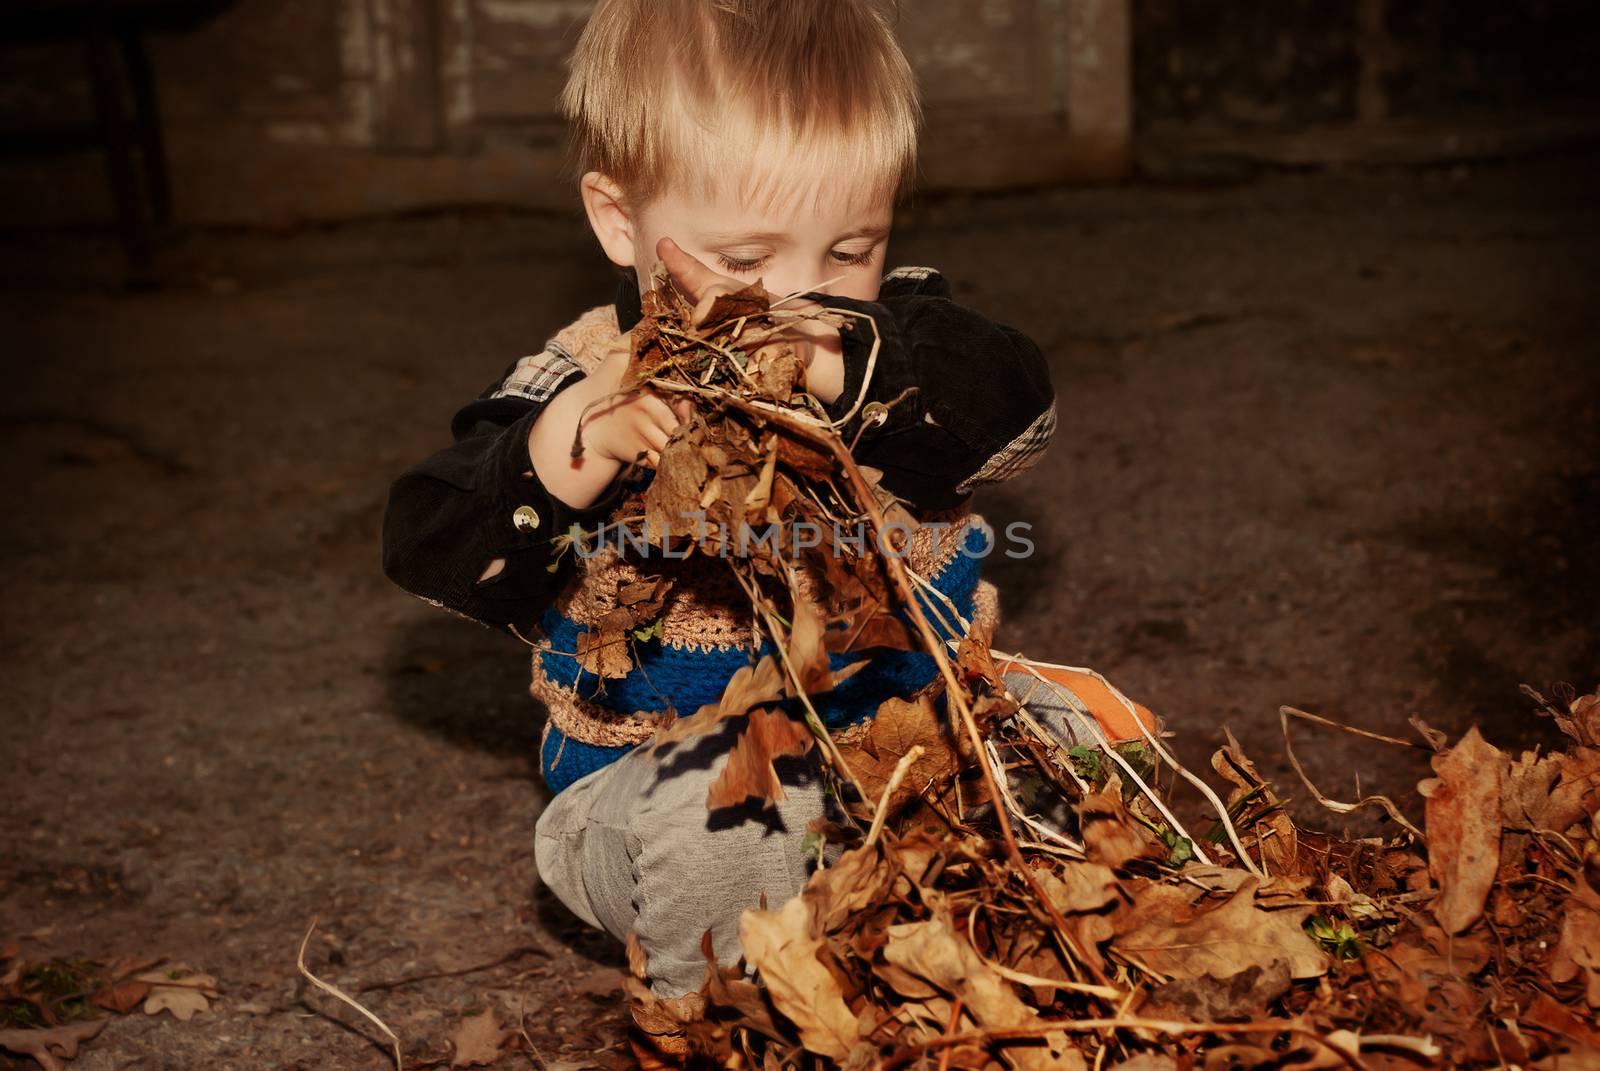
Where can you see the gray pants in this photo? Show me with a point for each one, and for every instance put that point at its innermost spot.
(632, 847)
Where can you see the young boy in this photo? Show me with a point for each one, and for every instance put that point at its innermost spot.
(730, 140)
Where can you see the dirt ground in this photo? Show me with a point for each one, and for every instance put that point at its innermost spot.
(1326, 439)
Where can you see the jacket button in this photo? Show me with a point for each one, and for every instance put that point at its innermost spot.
(874, 413)
(526, 518)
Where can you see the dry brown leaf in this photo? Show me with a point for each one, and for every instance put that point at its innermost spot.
(784, 948)
(1183, 933)
(749, 772)
(753, 300)
(638, 603)
(638, 962)
(673, 498)
(900, 725)
(1110, 835)
(1463, 826)
(837, 894)
(1210, 999)
(760, 496)
(183, 996)
(807, 654)
(122, 997)
(50, 1047)
(605, 653)
(751, 687)
(1577, 954)
(1556, 1018)
(1525, 796)
(1274, 832)
(872, 628)
(477, 1042)
(932, 950)
(778, 371)
(1576, 795)
(1078, 887)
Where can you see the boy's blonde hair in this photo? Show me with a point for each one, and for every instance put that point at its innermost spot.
(668, 92)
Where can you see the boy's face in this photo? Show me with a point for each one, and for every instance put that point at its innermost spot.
(791, 243)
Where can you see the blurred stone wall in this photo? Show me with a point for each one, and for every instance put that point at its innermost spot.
(1290, 63)
(278, 111)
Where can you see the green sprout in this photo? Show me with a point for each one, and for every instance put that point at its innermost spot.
(1337, 939)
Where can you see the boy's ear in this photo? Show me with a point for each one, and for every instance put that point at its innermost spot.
(609, 217)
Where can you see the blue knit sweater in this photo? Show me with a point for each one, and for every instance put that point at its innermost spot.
(687, 678)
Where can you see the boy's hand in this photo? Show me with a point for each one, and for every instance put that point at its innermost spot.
(815, 343)
(621, 427)
(617, 429)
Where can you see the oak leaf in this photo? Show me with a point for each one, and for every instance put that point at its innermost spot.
(1463, 826)
(1111, 835)
(782, 944)
(50, 1046)
(477, 1041)
(1210, 999)
(1079, 887)
(122, 997)
(935, 952)
(769, 734)
(1577, 954)
(1181, 935)
(897, 727)
(182, 992)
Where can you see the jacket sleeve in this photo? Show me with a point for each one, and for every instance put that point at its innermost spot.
(479, 499)
(984, 409)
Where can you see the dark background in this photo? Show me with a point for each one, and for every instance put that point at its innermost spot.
(1316, 281)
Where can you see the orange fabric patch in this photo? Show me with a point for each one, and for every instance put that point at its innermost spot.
(1108, 711)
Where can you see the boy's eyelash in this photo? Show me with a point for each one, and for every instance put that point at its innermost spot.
(737, 265)
(733, 265)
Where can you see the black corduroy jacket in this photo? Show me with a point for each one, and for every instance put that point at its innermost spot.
(983, 411)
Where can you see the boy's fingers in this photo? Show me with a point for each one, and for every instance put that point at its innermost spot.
(674, 410)
(655, 436)
(701, 284)
(693, 277)
(662, 413)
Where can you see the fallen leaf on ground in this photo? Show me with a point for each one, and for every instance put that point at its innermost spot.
(1183, 936)
(124, 996)
(478, 1040)
(1577, 955)
(1463, 826)
(932, 950)
(50, 1047)
(184, 995)
(1212, 999)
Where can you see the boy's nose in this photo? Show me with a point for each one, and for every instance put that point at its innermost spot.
(784, 285)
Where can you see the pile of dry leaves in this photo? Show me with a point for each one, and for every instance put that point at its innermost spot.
(49, 1008)
(1005, 900)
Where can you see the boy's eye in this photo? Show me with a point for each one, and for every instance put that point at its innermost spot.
(735, 264)
(852, 259)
